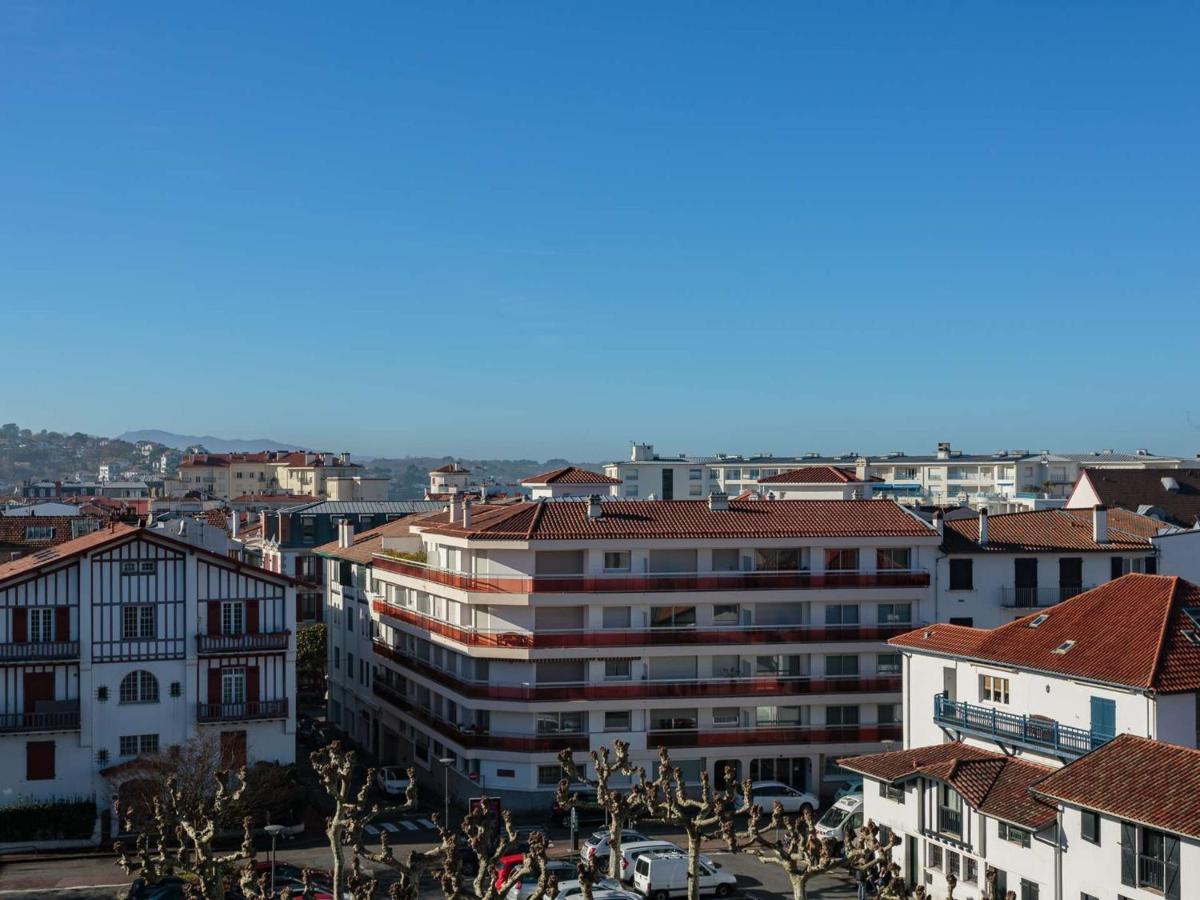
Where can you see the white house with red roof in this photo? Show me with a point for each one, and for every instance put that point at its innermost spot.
(124, 642)
(820, 483)
(568, 482)
(747, 633)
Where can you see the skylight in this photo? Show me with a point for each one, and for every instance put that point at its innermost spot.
(1192, 636)
(1038, 621)
(1064, 647)
(1193, 613)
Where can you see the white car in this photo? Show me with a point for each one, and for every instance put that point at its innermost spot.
(392, 780)
(793, 801)
(604, 889)
(846, 814)
(597, 844)
(527, 886)
(632, 851)
(660, 876)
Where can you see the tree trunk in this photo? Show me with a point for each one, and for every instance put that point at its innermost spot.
(615, 827)
(336, 873)
(799, 887)
(693, 867)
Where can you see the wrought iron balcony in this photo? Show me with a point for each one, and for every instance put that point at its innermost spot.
(1029, 732)
(242, 643)
(58, 720)
(34, 651)
(239, 712)
(1038, 597)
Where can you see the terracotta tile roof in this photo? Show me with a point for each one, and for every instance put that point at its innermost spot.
(450, 468)
(368, 543)
(1048, 530)
(1131, 631)
(13, 534)
(65, 550)
(666, 519)
(290, 499)
(570, 475)
(1134, 778)
(816, 475)
(1134, 488)
(992, 783)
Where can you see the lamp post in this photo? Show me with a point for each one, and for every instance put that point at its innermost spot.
(274, 831)
(447, 762)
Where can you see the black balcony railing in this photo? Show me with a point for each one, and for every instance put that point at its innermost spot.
(59, 720)
(242, 643)
(34, 651)
(237, 712)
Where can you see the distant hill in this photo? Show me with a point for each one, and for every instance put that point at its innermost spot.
(410, 474)
(25, 454)
(212, 444)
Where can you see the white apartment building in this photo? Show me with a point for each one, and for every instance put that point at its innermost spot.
(321, 475)
(991, 713)
(121, 643)
(740, 632)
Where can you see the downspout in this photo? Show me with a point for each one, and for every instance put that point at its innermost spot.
(1058, 867)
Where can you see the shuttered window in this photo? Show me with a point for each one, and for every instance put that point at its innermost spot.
(39, 761)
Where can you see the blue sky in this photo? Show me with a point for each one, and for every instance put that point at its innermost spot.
(546, 229)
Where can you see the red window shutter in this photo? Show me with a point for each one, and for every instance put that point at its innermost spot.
(214, 617)
(39, 761)
(214, 685)
(62, 623)
(20, 625)
(251, 617)
(251, 684)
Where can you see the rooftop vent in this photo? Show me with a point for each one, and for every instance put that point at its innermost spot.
(1142, 451)
(1038, 621)
(594, 509)
(718, 501)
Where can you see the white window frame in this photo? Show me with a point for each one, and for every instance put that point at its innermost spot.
(233, 617)
(41, 625)
(233, 686)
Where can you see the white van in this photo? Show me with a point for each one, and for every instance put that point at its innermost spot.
(660, 876)
(634, 849)
(846, 814)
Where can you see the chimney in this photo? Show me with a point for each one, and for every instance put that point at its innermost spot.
(453, 510)
(939, 523)
(594, 509)
(345, 457)
(718, 501)
(466, 512)
(860, 468)
(983, 527)
(1100, 524)
(943, 451)
(345, 533)
(235, 523)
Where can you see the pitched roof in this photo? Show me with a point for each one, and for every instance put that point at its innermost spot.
(365, 544)
(992, 783)
(1134, 778)
(450, 468)
(1131, 631)
(65, 550)
(570, 475)
(542, 520)
(1135, 488)
(816, 475)
(1049, 530)
(62, 528)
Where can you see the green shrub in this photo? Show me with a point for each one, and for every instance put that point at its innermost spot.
(48, 820)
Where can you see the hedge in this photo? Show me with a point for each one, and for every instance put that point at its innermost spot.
(48, 820)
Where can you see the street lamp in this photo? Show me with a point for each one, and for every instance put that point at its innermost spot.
(447, 762)
(274, 831)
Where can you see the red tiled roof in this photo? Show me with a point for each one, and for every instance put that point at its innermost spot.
(1134, 778)
(450, 468)
(65, 550)
(1050, 529)
(12, 530)
(366, 544)
(665, 519)
(570, 475)
(816, 475)
(1132, 488)
(1131, 631)
(992, 783)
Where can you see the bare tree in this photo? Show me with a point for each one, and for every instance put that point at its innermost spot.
(620, 807)
(334, 767)
(793, 846)
(489, 841)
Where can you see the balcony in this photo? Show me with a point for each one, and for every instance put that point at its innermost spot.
(950, 821)
(57, 720)
(1038, 597)
(242, 712)
(208, 644)
(642, 637)
(620, 690)
(1030, 732)
(471, 738)
(39, 651)
(624, 583)
(778, 734)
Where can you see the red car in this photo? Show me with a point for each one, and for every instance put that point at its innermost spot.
(508, 865)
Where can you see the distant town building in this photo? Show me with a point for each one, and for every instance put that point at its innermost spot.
(321, 475)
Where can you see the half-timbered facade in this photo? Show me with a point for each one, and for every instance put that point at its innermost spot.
(126, 641)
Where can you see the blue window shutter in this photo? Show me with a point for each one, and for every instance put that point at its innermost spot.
(1172, 891)
(1104, 717)
(1128, 854)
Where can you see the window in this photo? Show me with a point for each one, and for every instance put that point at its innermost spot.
(1029, 890)
(695, 490)
(781, 559)
(895, 613)
(506, 773)
(726, 614)
(1090, 826)
(337, 657)
(949, 811)
(889, 713)
(962, 574)
(560, 723)
(618, 721)
(39, 761)
(549, 775)
(39, 533)
(616, 617)
(888, 664)
(952, 863)
(695, 474)
(935, 855)
(893, 792)
(726, 560)
(616, 561)
(308, 529)
(993, 689)
(139, 686)
(893, 558)
(726, 717)
(41, 625)
(841, 614)
(1012, 834)
(672, 616)
(137, 622)
(233, 686)
(1157, 858)
(845, 560)
(138, 744)
(233, 617)
(841, 715)
(618, 669)
(970, 870)
(841, 666)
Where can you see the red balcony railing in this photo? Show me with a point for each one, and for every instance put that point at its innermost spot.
(776, 734)
(641, 637)
(621, 583)
(39, 650)
(242, 643)
(237, 712)
(709, 687)
(59, 720)
(472, 738)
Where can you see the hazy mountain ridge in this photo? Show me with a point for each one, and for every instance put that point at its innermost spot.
(208, 441)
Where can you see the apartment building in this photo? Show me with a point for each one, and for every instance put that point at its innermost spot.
(991, 714)
(121, 643)
(746, 633)
(321, 475)
(570, 481)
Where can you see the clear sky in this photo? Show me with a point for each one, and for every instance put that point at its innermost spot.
(546, 229)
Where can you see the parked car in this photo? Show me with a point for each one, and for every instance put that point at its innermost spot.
(527, 884)
(853, 785)
(632, 851)
(561, 815)
(847, 813)
(766, 793)
(572, 889)
(660, 876)
(596, 847)
(292, 876)
(392, 780)
(524, 832)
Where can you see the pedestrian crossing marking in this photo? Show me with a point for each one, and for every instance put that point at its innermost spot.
(411, 826)
(372, 830)
(425, 823)
(390, 827)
